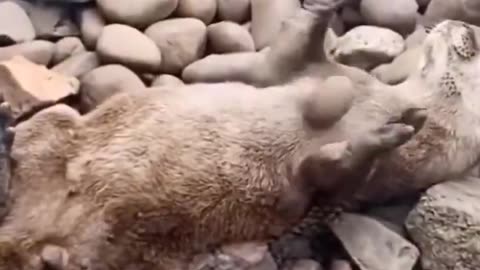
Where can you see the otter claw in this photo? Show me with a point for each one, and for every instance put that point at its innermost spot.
(414, 117)
(393, 135)
(379, 140)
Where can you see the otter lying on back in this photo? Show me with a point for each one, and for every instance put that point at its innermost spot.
(148, 179)
(151, 177)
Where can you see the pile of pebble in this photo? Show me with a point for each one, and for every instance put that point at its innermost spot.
(112, 46)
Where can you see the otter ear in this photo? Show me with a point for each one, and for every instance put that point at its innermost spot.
(329, 102)
(54, 257)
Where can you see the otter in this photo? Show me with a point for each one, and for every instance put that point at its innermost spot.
(149, 178)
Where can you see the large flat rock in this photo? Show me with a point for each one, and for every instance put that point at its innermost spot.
(445, 225)
(25, 84)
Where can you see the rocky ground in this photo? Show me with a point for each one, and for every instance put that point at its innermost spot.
(52, 50)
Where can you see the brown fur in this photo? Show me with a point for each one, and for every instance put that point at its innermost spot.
(151, 177)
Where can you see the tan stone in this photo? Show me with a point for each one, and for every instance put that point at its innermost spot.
(25, 84)
(267, 19)
(229, 37)
(37, 51)
(167, 80)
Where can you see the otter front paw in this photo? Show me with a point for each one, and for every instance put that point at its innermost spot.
(6, 141)
(391, 135)
(384, 138)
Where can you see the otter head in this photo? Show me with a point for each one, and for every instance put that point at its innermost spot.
(448, 69)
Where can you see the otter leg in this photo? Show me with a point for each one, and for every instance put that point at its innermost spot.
(6, 141)
(337, 169)
(357, 163)
(327, 177)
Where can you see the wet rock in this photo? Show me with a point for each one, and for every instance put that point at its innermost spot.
(291, 248)
(400, 68)
(444, 9)
(234, 10)
(166, 80)
(267, 18)
(422, 4)
(472, 11)
(445, 225)
(181, 41)
(203, 10)
(202, 262)
(372, 246)
(336, 25)
(393, 216)
(67, 47)
(104, 82)
(26, 5)
(399, 15)
(351, 16)
(244, 256)
(78, 64)
(53, 22)
(37, 51)
(147, 78)
(367, 46)
(91, 26)
(247, 26)
(416, 38)
(252, 256)
(463, 10)
(228, 37)
(141, 15)
(69, 1)
(25, 84)
(340, 265)
(221, 67)
(304, 265)
(123, 44)
(15, 25)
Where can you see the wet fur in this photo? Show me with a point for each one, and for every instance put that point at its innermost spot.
(95, 169)
(149, 178)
